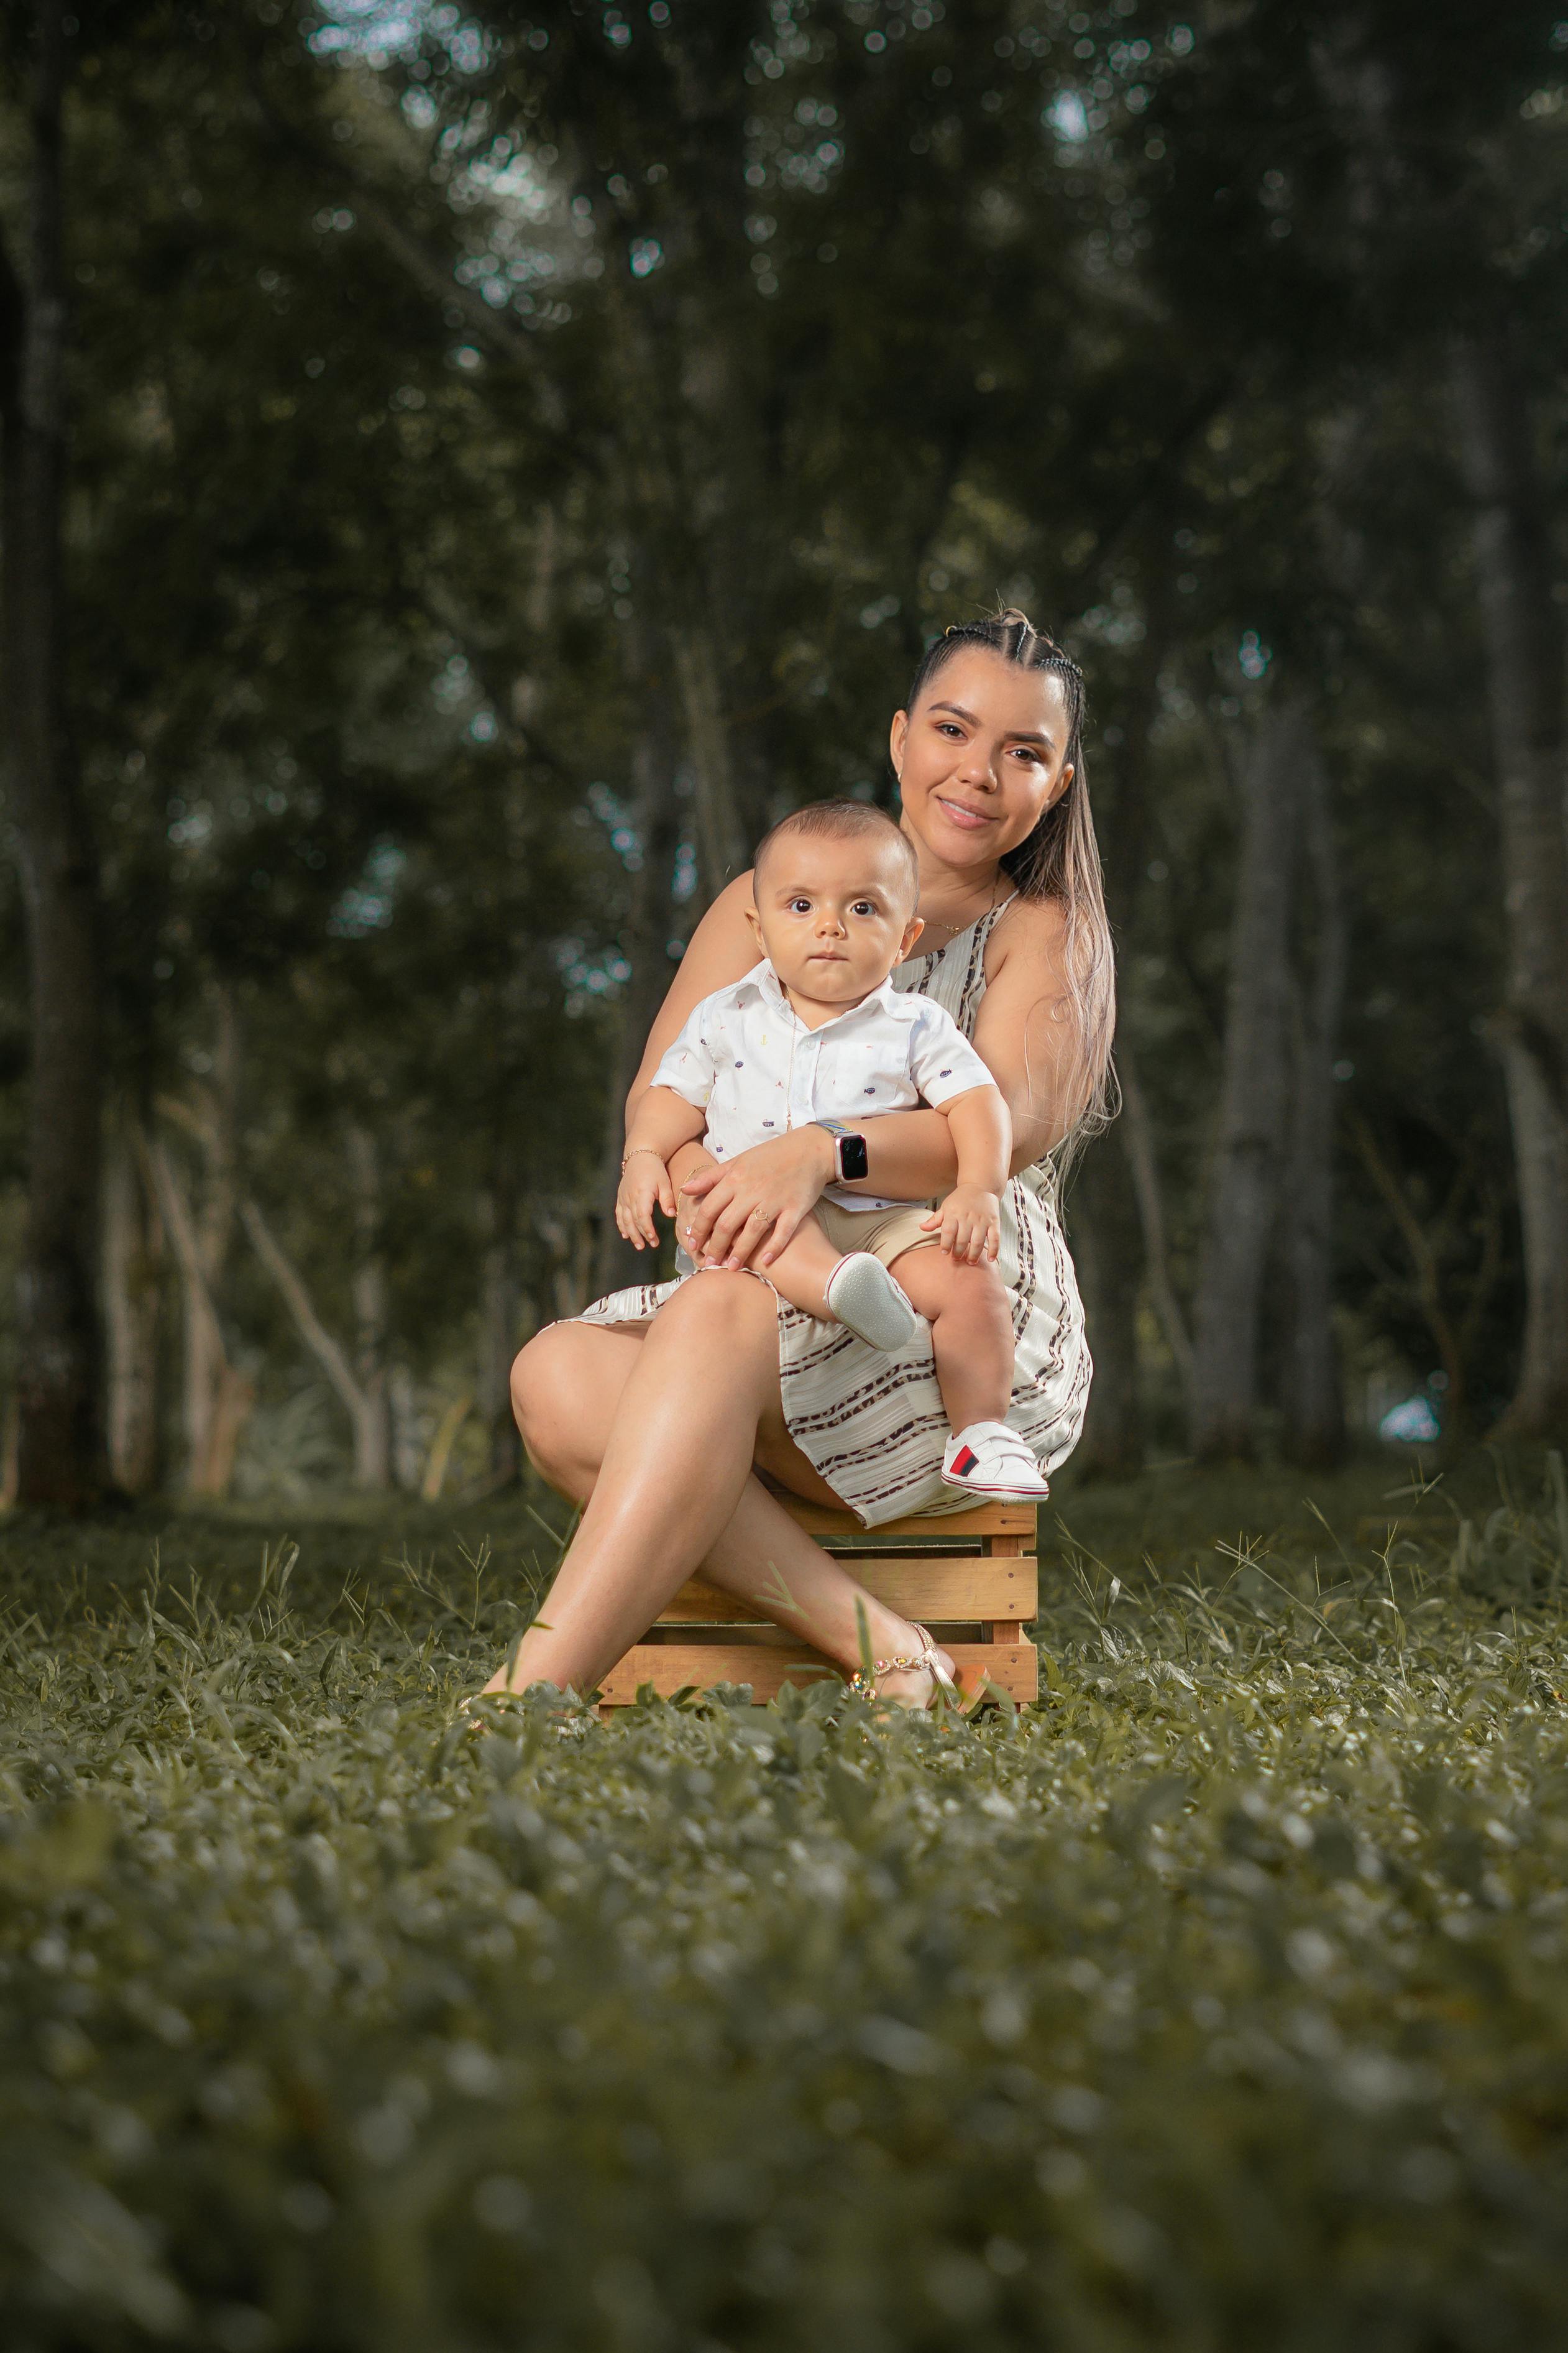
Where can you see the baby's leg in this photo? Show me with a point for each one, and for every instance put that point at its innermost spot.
(801, 1268)
(849, 1287)
(970, 1332)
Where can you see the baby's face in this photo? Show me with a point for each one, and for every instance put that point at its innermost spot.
(834, 915)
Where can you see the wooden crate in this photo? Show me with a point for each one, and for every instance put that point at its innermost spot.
(972, 1576)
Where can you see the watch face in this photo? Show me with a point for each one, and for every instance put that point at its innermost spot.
(854, 1160)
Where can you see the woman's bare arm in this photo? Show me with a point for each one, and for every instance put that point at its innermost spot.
(720, 952)
(1027, 1031)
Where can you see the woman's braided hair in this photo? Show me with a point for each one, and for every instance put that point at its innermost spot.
(1058, 861)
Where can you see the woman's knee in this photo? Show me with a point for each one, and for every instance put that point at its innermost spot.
(551, 1394)
(724, 1304)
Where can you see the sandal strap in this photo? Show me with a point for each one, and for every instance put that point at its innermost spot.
(925, 1661)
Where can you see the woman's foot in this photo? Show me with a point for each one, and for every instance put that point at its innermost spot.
(863, 1297)
(989, 1459)
(911, 1678)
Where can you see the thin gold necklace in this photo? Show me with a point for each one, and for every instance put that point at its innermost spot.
(954, 930)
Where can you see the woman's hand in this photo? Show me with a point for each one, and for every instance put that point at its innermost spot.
(743, 1214)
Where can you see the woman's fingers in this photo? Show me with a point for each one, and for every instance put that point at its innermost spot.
(726, 1225)
(786, 1225)
(706, 1213)
(748, 1236)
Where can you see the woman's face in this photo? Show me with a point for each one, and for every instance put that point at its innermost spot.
(981, 757)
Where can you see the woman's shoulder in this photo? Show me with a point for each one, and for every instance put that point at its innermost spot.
(722, 949)
(1026, 929)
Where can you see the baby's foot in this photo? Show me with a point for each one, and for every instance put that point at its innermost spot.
(989, 1459)
(864, 1298)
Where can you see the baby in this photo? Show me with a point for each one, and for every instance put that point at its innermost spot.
(816, 1035)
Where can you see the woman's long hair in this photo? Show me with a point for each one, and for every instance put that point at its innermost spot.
(1059, 860)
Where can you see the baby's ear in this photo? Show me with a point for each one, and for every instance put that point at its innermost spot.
(912, 931)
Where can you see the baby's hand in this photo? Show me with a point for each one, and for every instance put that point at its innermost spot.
(968, 1224)
(644, 1186)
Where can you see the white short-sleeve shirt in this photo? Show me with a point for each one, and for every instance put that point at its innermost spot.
(747, 1058)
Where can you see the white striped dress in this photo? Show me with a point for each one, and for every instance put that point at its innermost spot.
(873, 1426)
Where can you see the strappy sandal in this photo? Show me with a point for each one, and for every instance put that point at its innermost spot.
(466, 1717)
(926, 1661)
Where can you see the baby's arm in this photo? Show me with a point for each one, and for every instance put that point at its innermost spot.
(970, 1219)
(662, 1123)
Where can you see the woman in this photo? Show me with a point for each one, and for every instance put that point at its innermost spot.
(659, 1424)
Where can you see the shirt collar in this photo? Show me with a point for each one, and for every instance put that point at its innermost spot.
(765, 981)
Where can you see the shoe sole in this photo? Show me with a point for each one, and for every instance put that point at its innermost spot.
(978, 1487)
(865, 1300)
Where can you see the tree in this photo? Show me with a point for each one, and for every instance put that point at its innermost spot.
(60, 1454)
(1526, 681)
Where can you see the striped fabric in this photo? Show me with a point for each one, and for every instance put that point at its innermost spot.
(873, 1426)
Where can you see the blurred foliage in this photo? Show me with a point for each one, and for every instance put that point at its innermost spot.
(480, 413)
(1216, 2001)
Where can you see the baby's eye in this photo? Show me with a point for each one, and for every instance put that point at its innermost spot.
(863, 907)
(800, 906)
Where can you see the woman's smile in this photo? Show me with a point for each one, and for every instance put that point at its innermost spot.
(962, 814)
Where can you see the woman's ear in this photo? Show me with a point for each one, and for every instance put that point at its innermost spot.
(897, 736)
(1063, 781)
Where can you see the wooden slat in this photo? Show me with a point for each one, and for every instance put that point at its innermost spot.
(981, 1520)
(935, 1592)
(670, 1667)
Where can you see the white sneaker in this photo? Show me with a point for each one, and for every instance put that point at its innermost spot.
(865, 1300)
(989, 1459)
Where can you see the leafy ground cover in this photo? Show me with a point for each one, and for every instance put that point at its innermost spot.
(1220, 2001)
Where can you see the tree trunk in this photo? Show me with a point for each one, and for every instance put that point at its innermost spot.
(1107, 1251)
(332, 1359)
(645, 945)
(132, 1296)
(1109, 1234)
(405, 1435)
(501, 1333)
(1137, 1134)
(373, 1424)
(1244, 1186)
(1522, 631)
(60, 1456)
(1314, 1400)
(721, 849)
(216, 1395)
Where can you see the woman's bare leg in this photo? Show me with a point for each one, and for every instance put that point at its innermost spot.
(568, 1388)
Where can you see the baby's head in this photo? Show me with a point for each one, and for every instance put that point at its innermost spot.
(835, 886)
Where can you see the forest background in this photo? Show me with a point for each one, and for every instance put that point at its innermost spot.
(470, 468)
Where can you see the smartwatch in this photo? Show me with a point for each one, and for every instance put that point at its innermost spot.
(850, 1157)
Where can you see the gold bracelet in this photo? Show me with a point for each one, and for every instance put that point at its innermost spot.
(641, 1147)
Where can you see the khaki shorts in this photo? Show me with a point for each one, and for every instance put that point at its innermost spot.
(886, 1233)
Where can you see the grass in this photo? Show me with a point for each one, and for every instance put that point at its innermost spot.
(1219, 2002)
